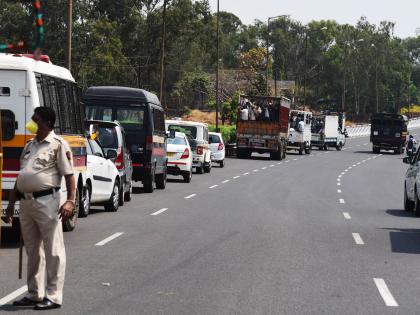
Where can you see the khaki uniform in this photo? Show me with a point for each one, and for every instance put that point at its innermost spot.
(43, 164)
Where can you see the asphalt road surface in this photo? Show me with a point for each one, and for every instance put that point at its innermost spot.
(318, 234)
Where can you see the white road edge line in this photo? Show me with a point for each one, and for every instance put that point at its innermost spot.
(109, 239)
(159, 211)
(190, 196)
(214, 186)
(358, 239)
(13, 295)
(347, 215)
(385, 293)
(342, 200)
(226, 181)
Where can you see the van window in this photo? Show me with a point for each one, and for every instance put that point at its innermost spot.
(131, 118)
(99, 113)
(7, 124)
(4, 91)
(158, 120)
(190, 131)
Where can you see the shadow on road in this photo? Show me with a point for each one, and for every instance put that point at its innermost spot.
(405, 241)
(399, 213)
(176, 180)
(382, 152)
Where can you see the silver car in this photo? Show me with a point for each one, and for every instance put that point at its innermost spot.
(412, 184)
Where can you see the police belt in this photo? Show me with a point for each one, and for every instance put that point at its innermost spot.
(37, 194)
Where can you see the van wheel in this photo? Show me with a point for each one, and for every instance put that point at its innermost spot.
(70, 224)
(207, 168)
(376, 150)
(114, 201)
(127, 195)
(161, 180)
(308, 150)
(148, 183)
(301, 149)
(200, 170)
(277, 155)
(84, 208)
(408, 204)
(222, 164)
(339, 146)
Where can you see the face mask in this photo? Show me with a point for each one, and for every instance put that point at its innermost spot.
(32, 127)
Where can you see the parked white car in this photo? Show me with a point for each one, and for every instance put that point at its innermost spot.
(103, 179)
(217, 148)
(180, 157)
(198, 137)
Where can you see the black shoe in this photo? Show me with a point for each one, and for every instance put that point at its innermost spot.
(46, 304)
(25, 302)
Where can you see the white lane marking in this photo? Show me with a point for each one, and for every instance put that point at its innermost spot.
(339, 191)
(159, 211)
(247, 173)
(263, 168)
(342, 173)
(354, 165)
(338, 184)
(344, 149)
(190, 196)
(295, 159)
(302, 157)
(279, 163)
(339, 176)
(214, 186)
(365, 143)
(385, 293)
(109, 239)
(255, 171)
(342, 200)
(13, 295)
(347, 215)
(236, 177)
(358, 239)
(287, 161)
(350, 167)
(338, 180)
(358, 163)
(226, 181)
(369, 159)
(272, 165)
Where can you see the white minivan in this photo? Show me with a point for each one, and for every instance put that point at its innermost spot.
(198, 137)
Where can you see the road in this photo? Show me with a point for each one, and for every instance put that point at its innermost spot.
(318, 234)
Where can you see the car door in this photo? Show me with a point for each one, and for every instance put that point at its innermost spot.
(101, 173)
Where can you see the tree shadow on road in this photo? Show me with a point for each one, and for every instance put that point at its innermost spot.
(399, 213)
(405, 241)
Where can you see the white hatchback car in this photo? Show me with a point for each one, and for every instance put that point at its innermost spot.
(179, 154)
(217, 148)
(103, 179)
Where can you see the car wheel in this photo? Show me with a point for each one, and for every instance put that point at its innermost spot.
(187, 176)
(376, 150)
(200, 170)
(127, 195)
(408, 204)
(222, 163)
(114, 201)
(148, 183)
(161, 180)
(70, 224)
(84, 208)
(308, 150)
(339, 146)
(121, 196)
(207, 168)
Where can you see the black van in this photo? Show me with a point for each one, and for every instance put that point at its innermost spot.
(143, 119)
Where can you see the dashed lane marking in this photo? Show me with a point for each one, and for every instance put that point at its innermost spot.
(214, 186)
(338, 184)
(279, 163)
(109, 239)
(226, 181)
(159, 211)
(358, 239)
(13, 295)
(247, 173)
(272, 165)
(295, 159)
(263, 168)
(385, 292)
(342, 201)
(235, 177)
(339, 191)
(347, 215)
(255, 171)
(190, 196)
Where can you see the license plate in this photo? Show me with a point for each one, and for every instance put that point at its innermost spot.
(170, 154)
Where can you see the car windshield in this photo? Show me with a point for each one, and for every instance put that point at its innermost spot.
(214, 139)
(177, 141)
(108, 137)
(190, 131)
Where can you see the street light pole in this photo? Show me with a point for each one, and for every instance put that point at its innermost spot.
(376, 78)
(217, 70)
(162, 51)
(69, 31)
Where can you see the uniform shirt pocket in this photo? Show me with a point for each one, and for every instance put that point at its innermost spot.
(45, 159)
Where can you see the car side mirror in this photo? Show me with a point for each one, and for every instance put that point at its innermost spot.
(407, 160)
(111, 154)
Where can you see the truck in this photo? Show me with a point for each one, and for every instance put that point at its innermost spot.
(300, 131)
(388, 132)
(327, 133)
(262, 126)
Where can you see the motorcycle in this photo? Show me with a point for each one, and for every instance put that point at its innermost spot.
(411, 150)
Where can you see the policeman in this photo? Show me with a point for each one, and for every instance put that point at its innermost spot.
(44, 161)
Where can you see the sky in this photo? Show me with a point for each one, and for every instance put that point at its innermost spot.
(405, 13)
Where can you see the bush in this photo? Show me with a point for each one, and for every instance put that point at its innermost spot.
(228, 132)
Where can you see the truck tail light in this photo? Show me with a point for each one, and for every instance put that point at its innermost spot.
(220, 147)
(200, 150)
(186, 154)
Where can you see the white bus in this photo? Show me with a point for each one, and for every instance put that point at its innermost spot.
(26, 83)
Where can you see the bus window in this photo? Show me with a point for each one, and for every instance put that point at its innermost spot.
(8, 125)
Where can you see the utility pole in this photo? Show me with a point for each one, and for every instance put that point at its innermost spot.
(217, 70)
(162, 52)
(69, 31)
(305, 67)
